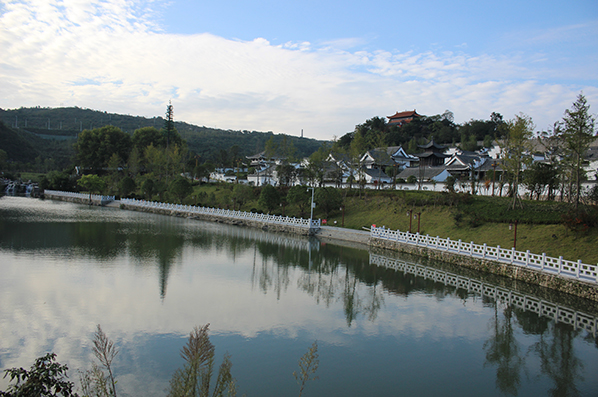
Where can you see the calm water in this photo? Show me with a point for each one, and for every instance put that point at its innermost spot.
(148, 280)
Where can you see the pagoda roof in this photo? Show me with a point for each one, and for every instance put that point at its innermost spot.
(431, 144)
(431, 154)
(405, 114)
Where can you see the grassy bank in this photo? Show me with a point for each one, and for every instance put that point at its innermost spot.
(469, 218)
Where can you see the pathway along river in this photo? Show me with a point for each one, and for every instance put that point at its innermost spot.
(149, 279)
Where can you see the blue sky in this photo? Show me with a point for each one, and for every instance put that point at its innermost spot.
(318, 66)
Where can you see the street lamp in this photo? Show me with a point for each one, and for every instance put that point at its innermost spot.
(311, 216)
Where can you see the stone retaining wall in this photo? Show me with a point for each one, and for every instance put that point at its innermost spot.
(77, 200)
(570, 286)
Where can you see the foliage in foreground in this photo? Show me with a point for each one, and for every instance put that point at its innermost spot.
(45, 378)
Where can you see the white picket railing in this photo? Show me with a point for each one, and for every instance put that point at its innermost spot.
(84, 196)
(557, 266)
(241, 215)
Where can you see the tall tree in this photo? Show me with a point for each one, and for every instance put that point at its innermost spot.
(578, 133)
(169, 122)
(515, 152)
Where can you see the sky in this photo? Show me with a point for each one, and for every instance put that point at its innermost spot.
(320, 67)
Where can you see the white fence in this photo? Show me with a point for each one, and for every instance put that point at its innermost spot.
(556, 266)
(84, 196)
(240, 215)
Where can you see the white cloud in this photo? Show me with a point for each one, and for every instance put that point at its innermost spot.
(53, 48)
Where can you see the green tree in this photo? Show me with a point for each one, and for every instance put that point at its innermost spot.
(95, 147)
(148, 188)
(57, 180)
(169, 123)
(299, 196)
(181, 188)
(329, 199)
(577, 134)
(3, 158)
(143, 137)
(242, 194)
(515, 152)
(114, 167)
(134, 162)
(269, 198)
(126, 186)
(317, 164)
(92, 183)
(538, 177)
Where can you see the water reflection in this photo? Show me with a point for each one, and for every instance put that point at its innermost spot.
(391, 319)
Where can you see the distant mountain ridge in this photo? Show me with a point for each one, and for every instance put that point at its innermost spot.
(65, 123)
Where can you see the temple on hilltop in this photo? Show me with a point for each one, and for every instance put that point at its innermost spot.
(402, 118)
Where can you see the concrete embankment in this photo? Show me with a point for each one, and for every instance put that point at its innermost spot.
(74, 199)
(339, 233)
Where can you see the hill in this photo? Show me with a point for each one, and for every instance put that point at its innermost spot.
(63, 124)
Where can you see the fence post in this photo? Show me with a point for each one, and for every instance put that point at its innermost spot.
(543, 260)
(471, 249)
(527, 258)
(484, 251)
(512, 255)
(459, 247)
(578, 268)
(560, 263)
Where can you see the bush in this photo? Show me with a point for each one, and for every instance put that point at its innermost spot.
(580, 220)
(45, 378)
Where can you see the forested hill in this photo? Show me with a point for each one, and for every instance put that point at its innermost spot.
(66, 123)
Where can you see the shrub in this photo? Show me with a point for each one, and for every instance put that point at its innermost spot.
(45, 378)
(580, 220)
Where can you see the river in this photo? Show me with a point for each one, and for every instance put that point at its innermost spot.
(149, 279)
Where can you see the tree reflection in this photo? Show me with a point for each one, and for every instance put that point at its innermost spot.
(502, 350)
(558, 359)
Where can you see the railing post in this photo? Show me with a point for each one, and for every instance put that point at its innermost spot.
(527, 258)
(512, 255)
(560, 263)
(543, 261)
(484, 251)
(578, 268)
(471, 249)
